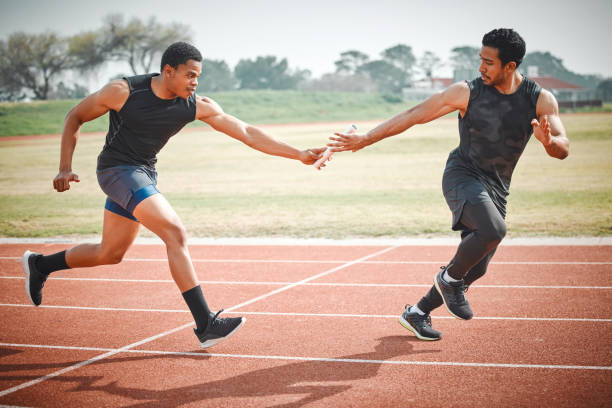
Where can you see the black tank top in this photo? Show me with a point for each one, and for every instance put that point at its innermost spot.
(143, 125)
(493, 134)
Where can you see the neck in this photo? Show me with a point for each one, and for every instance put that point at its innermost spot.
(511, 84)
(159, 88)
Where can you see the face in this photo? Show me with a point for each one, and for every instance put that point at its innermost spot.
(183, 80)
(491, 68)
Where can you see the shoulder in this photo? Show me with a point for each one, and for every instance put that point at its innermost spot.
(206, 107)
(114, 94)
(457, 95)
(547, 104)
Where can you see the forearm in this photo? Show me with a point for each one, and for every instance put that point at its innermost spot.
(70, 136)
(396, 125)
(259, 140)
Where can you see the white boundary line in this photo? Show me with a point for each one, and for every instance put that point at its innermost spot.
(313, 261)
(369, 316)
(403, 241)
(339, 284)
(320, 359)
(149, 339)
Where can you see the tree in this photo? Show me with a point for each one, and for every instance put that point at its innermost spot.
(140, 44)
(335, 82)
(401, 57)
(388, 77)
(88, 50)
(267, 73)
(428, 63)
(549, 65)
(605, 88)
(465, 58)
(216, 76)
(31, 62)
(350, 61)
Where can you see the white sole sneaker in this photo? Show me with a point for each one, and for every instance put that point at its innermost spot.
(212, 342)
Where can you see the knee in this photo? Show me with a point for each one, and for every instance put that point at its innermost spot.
(176, 235)
(112, 256)
(495, 234)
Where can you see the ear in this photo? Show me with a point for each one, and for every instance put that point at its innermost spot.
(510, 67)
(168, 71)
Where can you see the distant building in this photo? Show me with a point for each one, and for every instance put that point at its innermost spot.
(568, 95)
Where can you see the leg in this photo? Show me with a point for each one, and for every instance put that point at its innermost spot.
(486, 230)
(432, 300)
(479, 242)
(155, 213)
(118, 234)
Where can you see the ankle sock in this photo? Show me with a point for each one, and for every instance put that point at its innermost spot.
(449, 278)
(51, 263)
(415, 308)
(198, 307)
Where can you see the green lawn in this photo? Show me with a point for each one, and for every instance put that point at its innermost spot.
(262, 107)
(221, 188)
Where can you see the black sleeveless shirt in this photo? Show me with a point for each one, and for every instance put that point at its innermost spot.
(493, 134)
(143, 126)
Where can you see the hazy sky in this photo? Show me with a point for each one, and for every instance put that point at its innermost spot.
(311, 34)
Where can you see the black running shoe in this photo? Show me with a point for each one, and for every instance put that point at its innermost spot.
(219, 329)
(34, 279)
(453, 295)
(420, 325)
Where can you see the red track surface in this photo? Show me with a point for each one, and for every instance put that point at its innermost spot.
(120, 335)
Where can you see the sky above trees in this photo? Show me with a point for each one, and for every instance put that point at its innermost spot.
(311, 35)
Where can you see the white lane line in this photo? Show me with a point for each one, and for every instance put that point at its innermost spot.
(313, 261)
(149, 339)
(86, 362)
(320, 275)
(351, 315)
(340, 284)
(324, 359)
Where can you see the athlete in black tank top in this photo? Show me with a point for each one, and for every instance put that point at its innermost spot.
(498, 113)
(145, 111)
(144, 125)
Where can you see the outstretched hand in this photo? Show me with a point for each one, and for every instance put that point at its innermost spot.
(310, 156)
(347, 141)
(62, 181)
(541, 130)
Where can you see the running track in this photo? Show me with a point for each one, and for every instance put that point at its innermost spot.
(321, 330)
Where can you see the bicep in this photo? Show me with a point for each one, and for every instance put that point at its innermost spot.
(453, 98)
(208, 111)
(548, 107)
(112, 96)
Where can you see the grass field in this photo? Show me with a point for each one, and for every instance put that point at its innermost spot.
(262, 107)
(221, 188)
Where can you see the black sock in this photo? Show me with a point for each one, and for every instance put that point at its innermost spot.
(199, 309)
(51, 263)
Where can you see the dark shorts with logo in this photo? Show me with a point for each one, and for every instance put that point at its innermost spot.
(126, 186)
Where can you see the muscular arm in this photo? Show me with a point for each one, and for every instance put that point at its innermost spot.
(111, 96)
(455, 97)
(210, 112)
(548, 128)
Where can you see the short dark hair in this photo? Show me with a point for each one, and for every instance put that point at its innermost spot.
(179, 53)
(508, 42)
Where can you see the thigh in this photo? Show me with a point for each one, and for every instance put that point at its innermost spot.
(482, 216)
(118, 232)
(156, 213)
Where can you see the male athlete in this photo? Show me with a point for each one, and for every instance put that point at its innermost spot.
(145, 111)
(498, 112)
